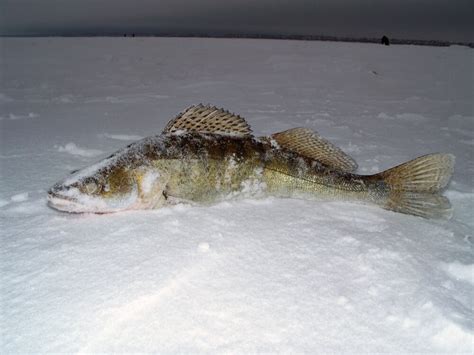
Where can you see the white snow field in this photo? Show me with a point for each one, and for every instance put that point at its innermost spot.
(270, 275)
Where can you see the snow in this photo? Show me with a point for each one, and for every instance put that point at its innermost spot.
(461, 271)
(20, 197)
(121, 137)
(73, 149)
(148, 180)
(253, 275)
(12, 116)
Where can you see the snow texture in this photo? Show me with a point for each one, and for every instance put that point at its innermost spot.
(254, 275)
(73, 149)
(121, 137)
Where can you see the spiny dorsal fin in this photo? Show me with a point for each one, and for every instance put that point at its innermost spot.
(308, 143)
(208, 119)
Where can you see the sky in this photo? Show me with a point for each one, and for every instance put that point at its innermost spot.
(442, 20)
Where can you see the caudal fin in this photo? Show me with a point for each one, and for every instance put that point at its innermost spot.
(415, 186)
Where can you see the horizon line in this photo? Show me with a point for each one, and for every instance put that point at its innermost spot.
(324, 38)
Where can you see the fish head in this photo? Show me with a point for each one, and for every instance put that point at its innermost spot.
(111, 188)
(95, 190)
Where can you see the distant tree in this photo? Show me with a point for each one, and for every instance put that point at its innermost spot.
(385, 41)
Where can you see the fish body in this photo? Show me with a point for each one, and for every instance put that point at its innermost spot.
(207, 155)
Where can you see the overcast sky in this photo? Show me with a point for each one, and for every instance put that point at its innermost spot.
(450, 20)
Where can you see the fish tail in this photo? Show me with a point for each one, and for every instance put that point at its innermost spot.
(415, 186)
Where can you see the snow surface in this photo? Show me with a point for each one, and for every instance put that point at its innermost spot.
(274, 275)
(73, 149)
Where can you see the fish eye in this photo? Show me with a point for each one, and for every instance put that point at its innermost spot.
(91, 187)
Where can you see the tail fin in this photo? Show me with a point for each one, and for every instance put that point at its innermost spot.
(415, 186)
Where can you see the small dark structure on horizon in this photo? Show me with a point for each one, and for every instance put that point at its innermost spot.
(385, 41)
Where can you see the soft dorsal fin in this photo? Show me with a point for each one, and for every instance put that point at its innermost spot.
(208, 119)
(308, 143)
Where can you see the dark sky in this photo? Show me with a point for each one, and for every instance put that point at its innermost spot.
(405, 19)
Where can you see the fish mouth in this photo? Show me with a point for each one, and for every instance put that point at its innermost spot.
(69, 204)
(71, 200)
(64, 203)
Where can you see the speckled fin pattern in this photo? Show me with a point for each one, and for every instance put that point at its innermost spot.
(208, 119)
(308, 143)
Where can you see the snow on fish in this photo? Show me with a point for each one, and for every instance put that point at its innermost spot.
(207, 154)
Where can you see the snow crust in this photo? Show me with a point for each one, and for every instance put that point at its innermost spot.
(253, 275)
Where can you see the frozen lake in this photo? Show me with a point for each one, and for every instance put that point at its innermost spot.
(274, 275)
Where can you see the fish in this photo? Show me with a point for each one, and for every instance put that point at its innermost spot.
(207, 154)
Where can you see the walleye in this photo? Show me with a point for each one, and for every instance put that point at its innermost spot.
(207, 154)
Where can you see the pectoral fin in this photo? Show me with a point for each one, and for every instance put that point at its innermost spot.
(310, 144)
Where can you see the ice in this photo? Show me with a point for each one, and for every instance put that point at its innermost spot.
(253, 275)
